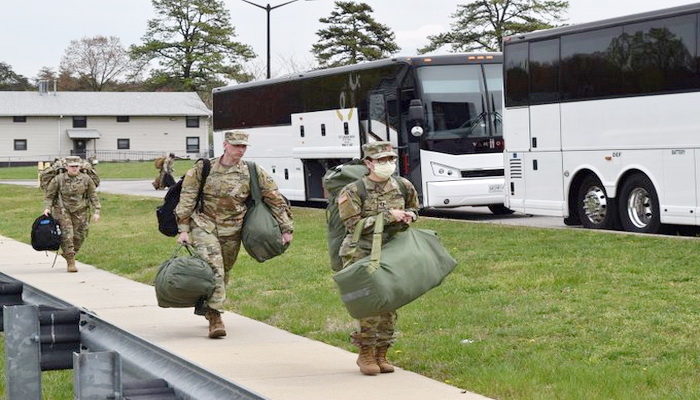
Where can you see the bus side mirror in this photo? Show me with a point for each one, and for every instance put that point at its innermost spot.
(416, 112)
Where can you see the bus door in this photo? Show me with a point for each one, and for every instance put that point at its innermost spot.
(533, 131)
(378, 127)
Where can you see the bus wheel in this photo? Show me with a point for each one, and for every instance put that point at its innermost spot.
(500, 209)
(594, 208)
(639, 206)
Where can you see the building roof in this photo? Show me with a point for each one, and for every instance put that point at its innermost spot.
(86, 104)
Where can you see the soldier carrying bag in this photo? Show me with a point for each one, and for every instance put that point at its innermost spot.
(335, 179)
(394, 274)
(183, 282)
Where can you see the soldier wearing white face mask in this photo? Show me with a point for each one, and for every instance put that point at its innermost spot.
(384, 195)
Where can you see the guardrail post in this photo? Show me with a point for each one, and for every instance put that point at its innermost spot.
(97, 376)
(22, 350)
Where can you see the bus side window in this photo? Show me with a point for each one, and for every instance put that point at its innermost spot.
(377, 116)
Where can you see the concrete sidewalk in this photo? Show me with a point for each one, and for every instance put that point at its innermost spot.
(262, 358)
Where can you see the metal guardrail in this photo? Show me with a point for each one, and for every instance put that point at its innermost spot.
(141, 359)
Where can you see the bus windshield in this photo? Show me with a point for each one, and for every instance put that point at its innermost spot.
(463, 108)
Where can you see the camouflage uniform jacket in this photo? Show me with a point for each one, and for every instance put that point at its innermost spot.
(381, 197)
(72, 193)
(224, 195)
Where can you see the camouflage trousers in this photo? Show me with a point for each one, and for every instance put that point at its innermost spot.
(74, 230)
(377, 330)
(221, 253)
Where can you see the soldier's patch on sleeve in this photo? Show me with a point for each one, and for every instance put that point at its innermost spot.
(190, 172)
(342, 198)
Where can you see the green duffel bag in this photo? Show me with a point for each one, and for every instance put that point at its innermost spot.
(335, 179)
(261, 234)
(394, 274)
(183, 281)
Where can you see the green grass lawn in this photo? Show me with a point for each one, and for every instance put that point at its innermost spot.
(527, 314)
(106, 170)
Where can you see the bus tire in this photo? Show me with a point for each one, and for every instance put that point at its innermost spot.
(639, 205)
(500, 209)
(594, 208)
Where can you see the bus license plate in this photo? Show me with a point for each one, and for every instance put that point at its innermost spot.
(496, 188)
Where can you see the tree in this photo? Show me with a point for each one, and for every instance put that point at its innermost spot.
(482, 24)
(352, 37)
(9, 80)
(191, 40)
(98, 63)
(46, 74)
(291, 64)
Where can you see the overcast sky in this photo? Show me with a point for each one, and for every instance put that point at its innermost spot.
(37, 32)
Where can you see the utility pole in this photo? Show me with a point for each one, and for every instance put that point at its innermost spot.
(269, 9)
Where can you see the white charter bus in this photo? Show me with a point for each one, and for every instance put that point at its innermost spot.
(602, 121)
(442, 113)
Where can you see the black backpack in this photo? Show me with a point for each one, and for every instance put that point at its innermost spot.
(167, 221)
(46, 234)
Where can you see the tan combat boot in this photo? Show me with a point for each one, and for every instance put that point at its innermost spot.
(384, 364)
(216, 325)
(70, 260)
(367, 361)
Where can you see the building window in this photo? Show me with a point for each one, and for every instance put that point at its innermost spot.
(192, 145)
(19, 119)
(123, 144)
(122, 118)
(79, 122)
(192, 122)
(20, 144)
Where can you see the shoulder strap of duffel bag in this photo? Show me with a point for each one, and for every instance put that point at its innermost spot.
(254, 184)
(376, 254)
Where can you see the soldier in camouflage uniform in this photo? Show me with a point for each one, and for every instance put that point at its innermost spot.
(215, 231)
(165, 177)
(384, 195)
(69, 197)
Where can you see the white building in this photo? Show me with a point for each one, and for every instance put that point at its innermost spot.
(43, 125)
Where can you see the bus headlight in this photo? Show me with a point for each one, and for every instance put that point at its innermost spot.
(445, 171)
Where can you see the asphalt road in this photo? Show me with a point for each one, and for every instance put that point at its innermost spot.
(474, 214)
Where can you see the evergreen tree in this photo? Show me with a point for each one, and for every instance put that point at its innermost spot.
(481, 25)
(352, 36)
(192, 43)
(9, 80)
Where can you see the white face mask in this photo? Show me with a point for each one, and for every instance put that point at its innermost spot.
(385, 170)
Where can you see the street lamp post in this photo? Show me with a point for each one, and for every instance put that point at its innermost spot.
(269, 9)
